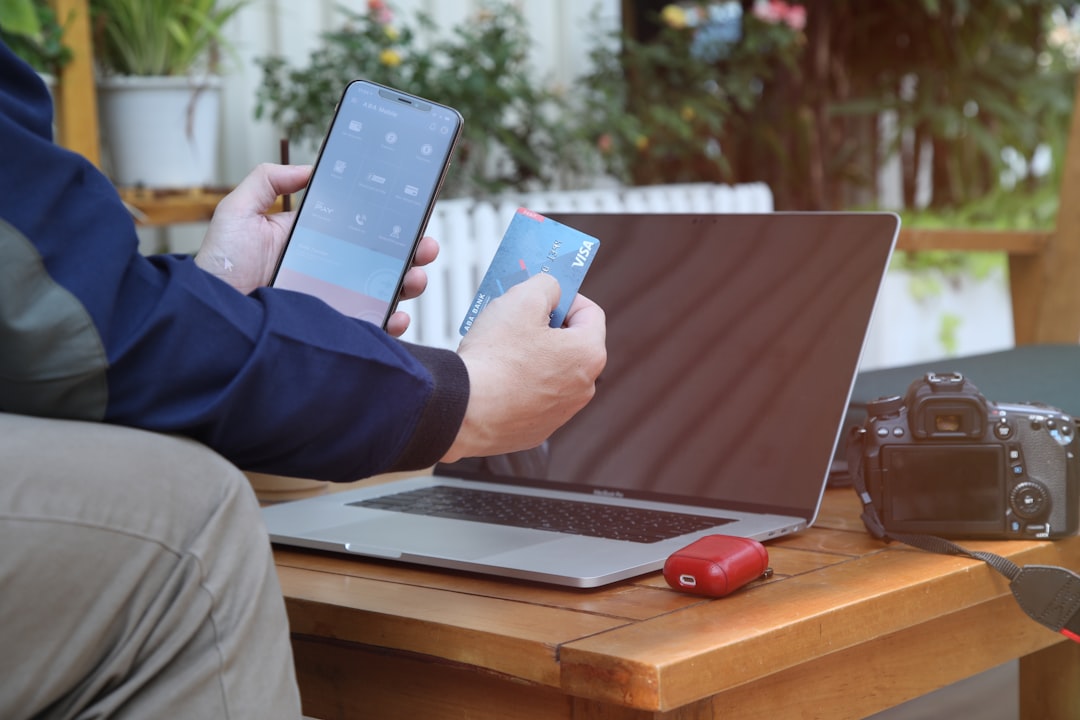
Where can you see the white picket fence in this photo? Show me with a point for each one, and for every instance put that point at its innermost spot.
(469, 231)
(905, 330)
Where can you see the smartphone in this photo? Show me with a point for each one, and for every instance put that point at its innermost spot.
(368, 201)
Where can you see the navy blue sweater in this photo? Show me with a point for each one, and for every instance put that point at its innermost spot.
(275, 381)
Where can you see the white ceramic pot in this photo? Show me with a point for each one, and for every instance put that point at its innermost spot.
(160, 132)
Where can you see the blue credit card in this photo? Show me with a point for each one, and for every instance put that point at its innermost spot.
(536, 244)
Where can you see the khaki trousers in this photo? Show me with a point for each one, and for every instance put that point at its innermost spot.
(136, 580)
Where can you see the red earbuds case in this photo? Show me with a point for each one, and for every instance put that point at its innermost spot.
(716, 565)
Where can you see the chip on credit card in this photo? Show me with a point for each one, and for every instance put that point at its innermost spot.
(536, 244)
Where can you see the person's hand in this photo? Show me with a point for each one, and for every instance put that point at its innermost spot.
(526, 379)
(415, 283)
(244, 241)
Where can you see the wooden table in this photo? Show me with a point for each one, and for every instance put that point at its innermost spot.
(847, 627)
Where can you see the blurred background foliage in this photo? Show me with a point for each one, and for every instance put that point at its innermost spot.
(973, 92)
(34, 32)
(516, 134)
(667, 95)
(969, 101)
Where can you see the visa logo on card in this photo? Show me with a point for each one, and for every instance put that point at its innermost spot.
(536, 244)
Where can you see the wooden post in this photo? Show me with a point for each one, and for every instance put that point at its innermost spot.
(76, 93)
(1048, 682)
(1059, 310)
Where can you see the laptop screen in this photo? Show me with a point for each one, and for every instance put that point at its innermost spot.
(733, 342)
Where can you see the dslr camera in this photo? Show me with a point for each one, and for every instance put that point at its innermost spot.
(943, 460)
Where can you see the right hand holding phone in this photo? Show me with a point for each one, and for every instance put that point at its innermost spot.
(526, 378)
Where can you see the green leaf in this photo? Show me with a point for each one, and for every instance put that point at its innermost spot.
(19, 17)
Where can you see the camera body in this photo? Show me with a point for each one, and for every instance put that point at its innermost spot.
(943, 460)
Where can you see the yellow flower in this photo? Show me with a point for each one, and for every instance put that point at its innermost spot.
(673, 16)
(390, 58)
(641, 142)
(687, 113)
(391, 32)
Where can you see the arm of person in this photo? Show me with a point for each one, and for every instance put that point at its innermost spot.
(275, 381)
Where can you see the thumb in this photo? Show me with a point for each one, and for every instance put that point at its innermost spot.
(262, 186)
(547, 288)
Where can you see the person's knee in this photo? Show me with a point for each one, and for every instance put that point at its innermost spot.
(157, 486)
(178, 533)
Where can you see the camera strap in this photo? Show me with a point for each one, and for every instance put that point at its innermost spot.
(1050, 595)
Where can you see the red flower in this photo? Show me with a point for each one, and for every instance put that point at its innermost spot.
(777, 11)
(381, 11)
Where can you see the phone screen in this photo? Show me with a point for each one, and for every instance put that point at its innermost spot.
(368, 200)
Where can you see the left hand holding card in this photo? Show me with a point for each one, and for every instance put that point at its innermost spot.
(536, 244)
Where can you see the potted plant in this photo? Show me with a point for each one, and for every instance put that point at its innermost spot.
(159, 87)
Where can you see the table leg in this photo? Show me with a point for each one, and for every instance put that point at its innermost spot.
(340, 681)
(1050, 683)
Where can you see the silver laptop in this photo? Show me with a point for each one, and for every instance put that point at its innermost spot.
(733, 342)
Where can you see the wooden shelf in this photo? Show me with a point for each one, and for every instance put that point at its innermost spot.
(167, 207)
(1012, 242)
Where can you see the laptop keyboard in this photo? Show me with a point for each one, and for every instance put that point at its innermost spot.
(540, 513)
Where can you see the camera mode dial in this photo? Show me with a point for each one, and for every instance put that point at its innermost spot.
(1028, 499)
(885, 407)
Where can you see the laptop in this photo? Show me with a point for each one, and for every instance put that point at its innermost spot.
(733, 342)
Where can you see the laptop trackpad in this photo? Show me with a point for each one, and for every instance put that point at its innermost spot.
(403, 534)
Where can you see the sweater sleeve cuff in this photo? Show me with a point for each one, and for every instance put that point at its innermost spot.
(444, 412)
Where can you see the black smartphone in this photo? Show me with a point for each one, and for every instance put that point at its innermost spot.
(371, 193)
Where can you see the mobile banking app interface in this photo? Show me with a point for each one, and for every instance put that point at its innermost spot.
(366, 203)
